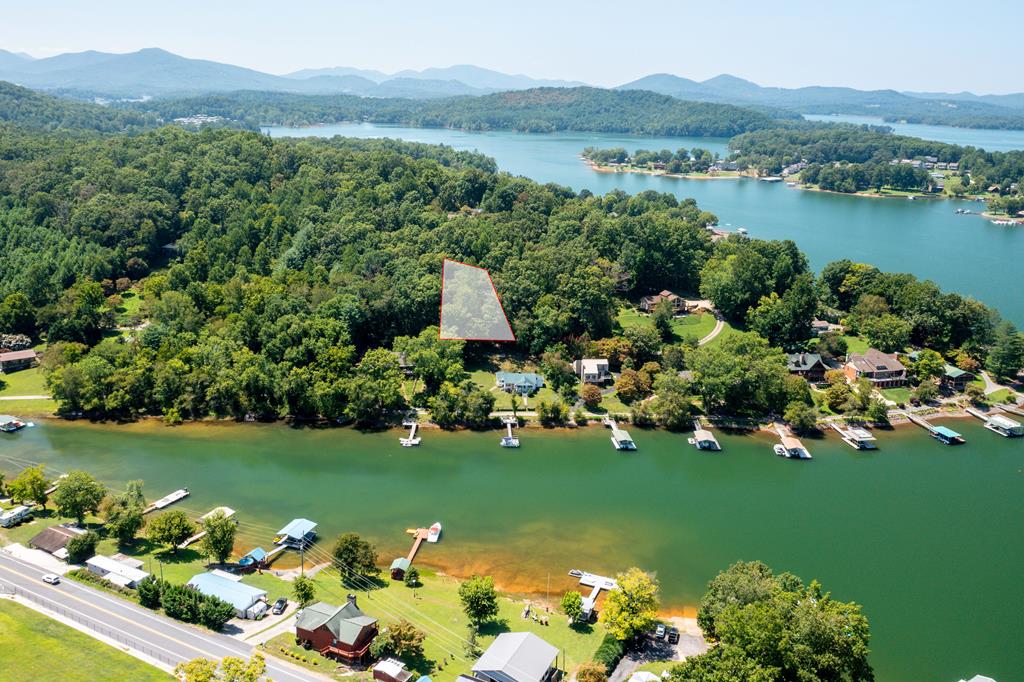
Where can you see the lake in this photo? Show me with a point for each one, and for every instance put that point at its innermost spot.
(986, 138)
(929, 538)
(965, 254)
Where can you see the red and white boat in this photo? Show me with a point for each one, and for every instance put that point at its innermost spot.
(434, 533)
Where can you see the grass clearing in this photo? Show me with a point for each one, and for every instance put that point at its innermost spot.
(897, 395)
(24, 382)
(46, 649)
(855, 344)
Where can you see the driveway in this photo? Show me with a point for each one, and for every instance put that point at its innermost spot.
(691, 642)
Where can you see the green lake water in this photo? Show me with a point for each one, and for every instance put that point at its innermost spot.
(930, 539)
(962, 253)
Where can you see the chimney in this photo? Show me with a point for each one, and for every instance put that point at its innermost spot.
(352, 600)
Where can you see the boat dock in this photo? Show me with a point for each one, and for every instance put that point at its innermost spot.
(790, 445)
(413, 439)
(56, 484)
(419, 535)
(228, 513)
(620, 437)
(167, 500)
(998, 423)
(598, 583)
(702, 438)
(509, 441)
(856, 437)
(944, 435)
(1012, 409)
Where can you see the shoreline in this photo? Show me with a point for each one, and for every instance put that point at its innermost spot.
(598, 168)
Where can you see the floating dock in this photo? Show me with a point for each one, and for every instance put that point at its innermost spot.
(856, 437)
(509, 441)
(167, 500)
(413, 439)
(702, 438)
(228, 513)
(598, 583)
(998, 423)
(620, 437)
(944, 435)
(56, 484)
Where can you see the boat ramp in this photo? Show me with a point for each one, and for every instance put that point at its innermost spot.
(943, 434)
(167, 500)
(702, 438)
(620, 437)
(598, 583)
(998, 423)
(856, 437)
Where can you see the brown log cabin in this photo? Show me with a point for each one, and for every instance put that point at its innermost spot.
(343, 633)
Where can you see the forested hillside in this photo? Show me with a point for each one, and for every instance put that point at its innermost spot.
(535, 110)
(27, 107)
(278, 275)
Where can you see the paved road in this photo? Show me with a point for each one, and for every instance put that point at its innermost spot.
(171, 640)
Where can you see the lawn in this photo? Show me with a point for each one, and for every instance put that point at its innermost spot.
(128, 311)
(897, 395)
(1000, 396)
(855, 344)
(727, 331)
(29, 408)
(611, 404)
(696, 325)
(435, 608)
(40, 648)
(24, 382)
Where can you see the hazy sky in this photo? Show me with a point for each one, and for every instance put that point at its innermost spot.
(900, 44)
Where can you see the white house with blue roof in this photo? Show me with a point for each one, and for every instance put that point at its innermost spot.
(249, 602)
(523, 383)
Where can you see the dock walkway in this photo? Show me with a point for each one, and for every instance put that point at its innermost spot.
(228, 513)
(167, 500)
(419, 535)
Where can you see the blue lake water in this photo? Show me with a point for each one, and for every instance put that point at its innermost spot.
(985, 138)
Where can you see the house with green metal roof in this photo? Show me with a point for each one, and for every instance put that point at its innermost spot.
(398, 568)
(955, 379)
(523, 383)
(342, 633)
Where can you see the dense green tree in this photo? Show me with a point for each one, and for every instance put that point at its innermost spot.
(354, 557)
(77, 495)
(376, 388)
(887, 333)
(303, 591)
(122, 513)
(171, 528)
(572, 605)
(672, 402)
(412, 577)
(802, 417)
(633, 607)
(402, 640)
(740, 375)
(220, 536)
(82, 547)
(479, 599)
(1006, 358)
(30, 484)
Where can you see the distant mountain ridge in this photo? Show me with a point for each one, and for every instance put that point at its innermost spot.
(967, 109)
(156, 72)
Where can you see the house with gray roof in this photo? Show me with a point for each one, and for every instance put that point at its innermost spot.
(342, 633)
(810, 366)
(517, 657)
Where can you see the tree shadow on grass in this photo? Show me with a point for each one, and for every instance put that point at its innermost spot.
(493, 627)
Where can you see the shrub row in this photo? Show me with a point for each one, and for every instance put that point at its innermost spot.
(185, 603)
(609, 653)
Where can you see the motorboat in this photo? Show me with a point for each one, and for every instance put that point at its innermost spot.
(434, 532)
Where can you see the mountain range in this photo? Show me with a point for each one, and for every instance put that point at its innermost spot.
(154, 72)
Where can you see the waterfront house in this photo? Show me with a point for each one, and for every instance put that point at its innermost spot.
(118, 572)
(592, 370)
(297, 534)
(955, 379)
(54, 539)
(339, 632)
(391, 670)
(249, 602)
(649, 303)
(807, 365)
(517, 657)
(398, 568)
(820, 327)
(883, 370)
(523, 383)
(17, 359)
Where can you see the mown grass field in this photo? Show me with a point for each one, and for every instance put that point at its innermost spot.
(36, 647)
